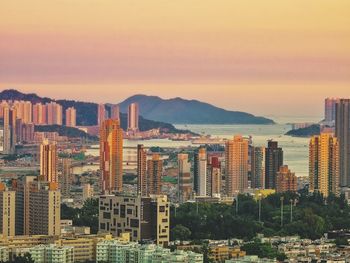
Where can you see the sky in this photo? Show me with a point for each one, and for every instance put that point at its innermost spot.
(267, 57)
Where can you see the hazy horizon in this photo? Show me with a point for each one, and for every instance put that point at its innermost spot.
(262, 57)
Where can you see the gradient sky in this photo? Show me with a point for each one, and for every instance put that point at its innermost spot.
(261, 56)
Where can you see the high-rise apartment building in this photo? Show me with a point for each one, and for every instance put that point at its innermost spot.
(111, 156)
(184, 186)
(257, 167)
(141, 170)
(9, 129)
(48, 161)
(39, 114)
(54, 113)
(71, 117)
(330, 109)
(324, 164)
(22, 187)
(342, 132)
(23, 110)
(65, 177)
(200, 172)
(286, 180)
(145, 218)
(236, 161)
(133, 117)
(115, 114)
(154, 175)
(7, 211)
(101, 114)
(215, 177)
(44, 208)
(273, 162)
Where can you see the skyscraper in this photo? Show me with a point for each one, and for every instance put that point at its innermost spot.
(141, 170)
(184, 186)
(65, 177)
(273, 162)
(7, 211)
(342, 132)
(44, 209)
(101, 114)
(9, 129)
(324, 164)
(236, 158)
(71, 117)
(54, 113)
(48, 161)
(154, 175)
(286, 181)
(39, 114)
(215, 176)
(133, 117)
(115, 114)
(330, 109)
(257, 167)
(111, 156)
(200, 172)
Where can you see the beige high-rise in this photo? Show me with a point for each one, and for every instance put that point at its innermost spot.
(184, 178)
(154, 175)
(236, 157)
(48, 161)
(7, 211)
(71, 117)
(65, 177)
(324, 164)
(141, 170)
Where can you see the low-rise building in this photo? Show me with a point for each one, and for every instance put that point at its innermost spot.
(52, 254)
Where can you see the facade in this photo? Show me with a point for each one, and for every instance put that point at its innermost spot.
(113, 251)
(111, 156)
(44, 209)
(39, 114)
(154, 175)
(145, 218)
(286, 180)
(141, 170)
(184, 186)
(101, 114)
(324, 164)
(54, 113)
(257, 167)
(330, 109)
(133, 117)
(71, 117)
(22, 188)
(273, 162)
(115, 113)
(52, 254)
(200, 172)
(65, 177)
(215, 176)
(342, 132)
(48, 161)
(236, 160)
(9, 129)
(7, 211)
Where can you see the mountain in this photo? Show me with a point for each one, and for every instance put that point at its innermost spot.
(87, 111)
(305, 132)
(181, 111)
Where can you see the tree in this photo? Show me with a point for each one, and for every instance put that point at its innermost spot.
(341, 241)
(181, 233)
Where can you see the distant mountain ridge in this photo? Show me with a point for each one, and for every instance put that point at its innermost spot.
(87, 111)
(181, 111)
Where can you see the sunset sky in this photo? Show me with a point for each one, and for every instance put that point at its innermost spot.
(261, 56)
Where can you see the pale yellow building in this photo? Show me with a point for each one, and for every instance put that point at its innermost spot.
(7, 211)
(236, 157)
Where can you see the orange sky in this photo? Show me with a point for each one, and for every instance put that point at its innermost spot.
(265, 57)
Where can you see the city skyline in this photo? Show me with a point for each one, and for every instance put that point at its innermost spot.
(220, 53)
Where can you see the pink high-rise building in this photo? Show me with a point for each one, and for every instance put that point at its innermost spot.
(133, 117)
(101, 114)
(54, 113)
(39, 114)
(330, 108)
(71, 116)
